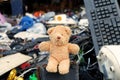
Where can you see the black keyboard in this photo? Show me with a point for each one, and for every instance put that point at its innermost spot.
(104, 21)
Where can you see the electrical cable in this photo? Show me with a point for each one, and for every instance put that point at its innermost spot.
(22, 75)
(88, 51)
(80, 56)
(88, 63)
(93, 64)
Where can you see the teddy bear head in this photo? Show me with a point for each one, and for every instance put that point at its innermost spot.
(59, 35)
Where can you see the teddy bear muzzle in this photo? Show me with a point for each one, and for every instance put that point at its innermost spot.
(58, 37)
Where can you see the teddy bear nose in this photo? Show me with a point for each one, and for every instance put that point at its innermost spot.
(58, 37)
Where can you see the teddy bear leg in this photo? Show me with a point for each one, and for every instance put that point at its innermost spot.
(52, 65)
(64, 66)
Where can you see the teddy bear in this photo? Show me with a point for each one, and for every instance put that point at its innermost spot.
(59, 49)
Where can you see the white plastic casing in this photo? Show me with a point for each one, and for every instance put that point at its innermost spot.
(109, 62)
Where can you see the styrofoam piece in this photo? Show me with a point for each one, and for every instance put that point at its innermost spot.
(11, 61)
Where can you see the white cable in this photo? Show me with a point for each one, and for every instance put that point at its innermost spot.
(88, 63)
(79, 58)
(93, 64)
(88, 51)
(22, 75)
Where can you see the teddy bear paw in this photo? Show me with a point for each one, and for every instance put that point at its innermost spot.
(63, 71)
(51, 69)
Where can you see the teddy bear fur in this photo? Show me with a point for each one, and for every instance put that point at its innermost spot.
(59, 49)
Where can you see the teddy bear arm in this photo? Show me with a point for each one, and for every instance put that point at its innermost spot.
(73, 48)
(44, 46)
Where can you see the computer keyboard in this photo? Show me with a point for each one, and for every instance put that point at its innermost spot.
(104, 22)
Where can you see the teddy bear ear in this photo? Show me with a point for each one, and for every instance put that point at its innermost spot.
(68, 30)
(50, 30)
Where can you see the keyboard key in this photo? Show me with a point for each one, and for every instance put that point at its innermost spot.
(117, 19)
(114, 40)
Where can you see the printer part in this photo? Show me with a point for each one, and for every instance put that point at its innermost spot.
(109, 62)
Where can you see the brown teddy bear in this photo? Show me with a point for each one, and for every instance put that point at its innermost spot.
(59, 48)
